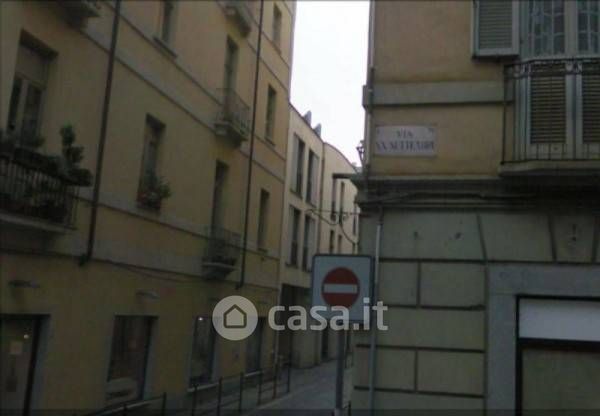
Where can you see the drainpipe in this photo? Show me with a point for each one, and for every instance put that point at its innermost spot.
(103, 127)
(373, 334)
(251, 153)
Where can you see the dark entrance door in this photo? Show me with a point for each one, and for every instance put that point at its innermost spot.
(557, 375)
(254, 347)
(18, 344)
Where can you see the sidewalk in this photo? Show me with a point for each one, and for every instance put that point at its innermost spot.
(312, 389)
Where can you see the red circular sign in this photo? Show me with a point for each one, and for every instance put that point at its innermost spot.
(340, 287)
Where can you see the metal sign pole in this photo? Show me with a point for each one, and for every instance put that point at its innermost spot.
(339, 385)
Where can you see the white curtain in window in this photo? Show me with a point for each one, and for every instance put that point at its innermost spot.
(546, 27)
(588, 26)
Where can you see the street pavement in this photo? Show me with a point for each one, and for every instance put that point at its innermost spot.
(313, 392)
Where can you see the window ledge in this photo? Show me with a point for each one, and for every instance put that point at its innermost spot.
(165, 47)
(147, 207)
(550, 168)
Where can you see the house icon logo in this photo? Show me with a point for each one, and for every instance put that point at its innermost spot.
(235, 318)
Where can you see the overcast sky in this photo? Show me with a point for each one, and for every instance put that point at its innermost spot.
(329, 70)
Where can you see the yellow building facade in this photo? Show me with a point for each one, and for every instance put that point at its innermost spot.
(320, 217)
(130, 318)
(479, 194)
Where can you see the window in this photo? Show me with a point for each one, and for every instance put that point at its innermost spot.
(153, 134)
(293, 233)
(128, 358)
(546, 22)
(263, 218)
(308, 242)
(167, 21)
(558, 354)
(588, 16)
(231, 62)
(312, 178)
(270, 120)
(203, 345)
(339, 243)
(494, 29)
(331, 242)
(276, 26)
(219, 195)
(297, 165)
(27, 92)
(342, 197)
(18, 352)
(333, 198)
(550, 24)
(556, 99)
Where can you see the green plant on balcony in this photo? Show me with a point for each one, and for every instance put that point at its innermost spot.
(153, 190)
(24, 149)
(41, 188)
(71, 158)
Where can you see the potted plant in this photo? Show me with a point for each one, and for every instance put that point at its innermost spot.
(152, 191)
(68, 165)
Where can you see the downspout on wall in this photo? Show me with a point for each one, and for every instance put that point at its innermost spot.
(373, 328)
(251, 152)
(87, 256)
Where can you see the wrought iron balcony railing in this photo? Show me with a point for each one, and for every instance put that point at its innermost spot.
(28, 189)
(221, 252)
(233, 120)
(552, 111)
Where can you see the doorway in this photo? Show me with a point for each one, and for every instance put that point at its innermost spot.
(254, 348)
(19, 341)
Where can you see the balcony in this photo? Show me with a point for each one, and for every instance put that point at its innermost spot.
(552, 118)
(80, 10)
(221, 252)
(239, 12)
(33, 196)
(233, 121)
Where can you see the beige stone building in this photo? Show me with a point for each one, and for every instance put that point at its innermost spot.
(128, 316)
(480, 202)
(319, 217)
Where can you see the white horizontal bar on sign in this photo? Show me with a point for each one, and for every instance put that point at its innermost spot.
(559, 319)
(339, 288)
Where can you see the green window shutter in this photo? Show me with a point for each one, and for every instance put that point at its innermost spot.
(591, 102)
(548, 104)
(495, 28)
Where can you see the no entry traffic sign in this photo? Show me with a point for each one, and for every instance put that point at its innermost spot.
(340, 287)
(342, 281)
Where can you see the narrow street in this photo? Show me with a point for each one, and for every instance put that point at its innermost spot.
(313, 389)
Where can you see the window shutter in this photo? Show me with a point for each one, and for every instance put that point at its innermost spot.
(314, 178)
(591, 102)
(548, 104)
(294, 172)
(495, 28)
(290, 234)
